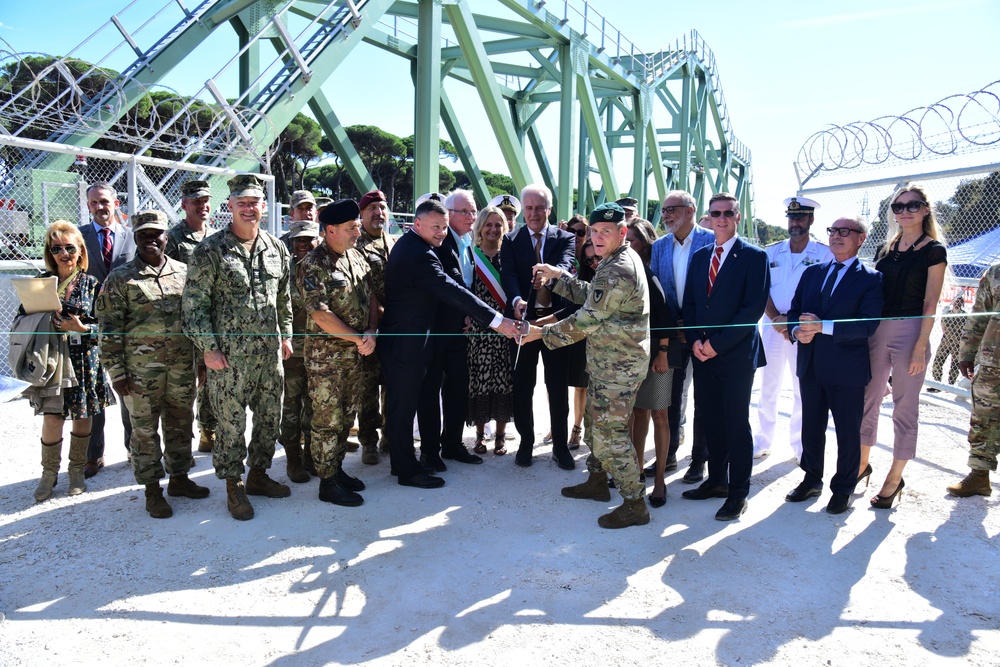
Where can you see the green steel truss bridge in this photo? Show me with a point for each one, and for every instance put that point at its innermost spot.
(564, 92)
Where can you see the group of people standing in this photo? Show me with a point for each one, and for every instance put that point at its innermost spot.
(341, 321)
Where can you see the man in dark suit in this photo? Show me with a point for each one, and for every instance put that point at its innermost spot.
(833, 364)
(416, 285)
(725, 295)
(109, 245)
(538, 242)
(447, 375)
(670, 261)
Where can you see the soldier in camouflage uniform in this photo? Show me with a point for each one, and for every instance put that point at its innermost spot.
(335, 283)
(181, 241)
(981, 346)
(296, 408)
(237, 310)
(615, 321)
(375, 244)
(151, 362)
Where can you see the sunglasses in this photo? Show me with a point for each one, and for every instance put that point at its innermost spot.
(58, 249)
(718, 214)
(579, 232)
(910, 206)
(592, 259)
(669, 210)
(841, 231)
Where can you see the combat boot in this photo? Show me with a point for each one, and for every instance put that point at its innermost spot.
(156, 504)
(976, 483)
(629, 513)
(293, 464)
(51, 455)
(182, 485)
(383, 444)
(331, 491)
(369, 455)
(207, 440)
(595, 488)
(236, 499)
(77, 459)
(259, 484)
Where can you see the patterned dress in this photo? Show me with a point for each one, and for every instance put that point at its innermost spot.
(491, 383)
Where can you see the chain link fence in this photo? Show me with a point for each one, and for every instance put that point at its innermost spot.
(42, 182)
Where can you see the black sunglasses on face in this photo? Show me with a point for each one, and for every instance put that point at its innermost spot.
(841, 231)
(729, 214)
(593, 259)
(58, 249)
(579, 232)
(910, 206)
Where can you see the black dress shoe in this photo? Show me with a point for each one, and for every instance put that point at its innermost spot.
(706, 491)
(330, 491)
(838, 504)
(421, 481)
(695, 473)
(432, 463)
(658, 501)
(462, 455)
(671, 463)
(650, 469)
(802, 492)
(731, 510)
(562, 456)
(523, 456)
(348, 482)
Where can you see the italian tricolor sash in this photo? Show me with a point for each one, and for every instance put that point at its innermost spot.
(490, 277)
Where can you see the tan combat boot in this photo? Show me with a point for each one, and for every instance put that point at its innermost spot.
(629, 513)
(595, 488)
(236, 499)
(259, 484)
(976, 483)
(207, 440)
(156, 504)
(77, 459)
(51, 455)
(293, 464)
(182, 485)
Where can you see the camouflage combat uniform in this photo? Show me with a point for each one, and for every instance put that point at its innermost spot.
(240, 304)
(181, 242)
(340, 284)
(615, 321)
(142, 339)
(296, 408)
(376, 251)
(981, 344)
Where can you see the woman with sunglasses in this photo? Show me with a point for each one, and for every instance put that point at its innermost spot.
(66, 258)
(912, 263)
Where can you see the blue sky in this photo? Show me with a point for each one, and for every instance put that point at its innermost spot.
(788, 69)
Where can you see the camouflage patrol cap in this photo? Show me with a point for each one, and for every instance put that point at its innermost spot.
(196, 189)
(246, 185)
(301, 196)
(339, 212)
(149, 220)
(628, 202)
(323, 201)
(301, 228)
(609, 212)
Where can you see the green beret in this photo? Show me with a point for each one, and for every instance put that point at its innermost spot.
(609, 212)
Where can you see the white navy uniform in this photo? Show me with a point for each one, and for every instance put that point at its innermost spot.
(786, 268)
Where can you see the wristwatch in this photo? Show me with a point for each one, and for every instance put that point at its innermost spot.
(664, 348)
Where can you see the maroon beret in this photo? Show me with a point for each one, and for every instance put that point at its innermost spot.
(369, 197)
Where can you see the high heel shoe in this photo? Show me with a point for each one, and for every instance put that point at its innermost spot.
(658, 501)
(866, 475)
(574, 438)
(885, 502)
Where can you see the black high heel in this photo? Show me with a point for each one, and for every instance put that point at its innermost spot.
(658, 501)
(866, 475)
(885, 502)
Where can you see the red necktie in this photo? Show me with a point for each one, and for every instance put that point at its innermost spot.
(107, 248)
(713, 271)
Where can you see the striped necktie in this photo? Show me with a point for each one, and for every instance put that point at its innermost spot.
(713, 271)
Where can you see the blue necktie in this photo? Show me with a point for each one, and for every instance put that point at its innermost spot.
(824, 297)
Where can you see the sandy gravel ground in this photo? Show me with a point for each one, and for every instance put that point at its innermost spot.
(497, 568)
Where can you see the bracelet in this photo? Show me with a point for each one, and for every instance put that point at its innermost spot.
(925, 336)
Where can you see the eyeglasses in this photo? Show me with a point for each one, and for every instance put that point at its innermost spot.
(669, 210)
(592, 259)
(464, 211)
(910, 206)
(579, 232)
(58, 249)
(718, 214)
(841, 231)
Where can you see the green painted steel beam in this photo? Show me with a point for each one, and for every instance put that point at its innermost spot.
(335, 132)
(489, 92)
(500, 46)
(483, 23)
(569, 116)
(427, 112)
(592, 120)
(464, 150)
(544, 166)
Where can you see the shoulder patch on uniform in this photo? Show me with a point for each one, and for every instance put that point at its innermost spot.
(309, 282)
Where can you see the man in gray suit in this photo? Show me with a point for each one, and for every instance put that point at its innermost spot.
(670, 261)
(109, 245)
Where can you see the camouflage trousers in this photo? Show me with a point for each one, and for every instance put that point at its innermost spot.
(984, 427)
(296, 406)
(333, 387)
(253, 382)
(160, 395)
(609, 406)
(369, 414)
(206, 419)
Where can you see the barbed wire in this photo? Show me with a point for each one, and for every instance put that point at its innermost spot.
(955, 125)
(70, 96)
